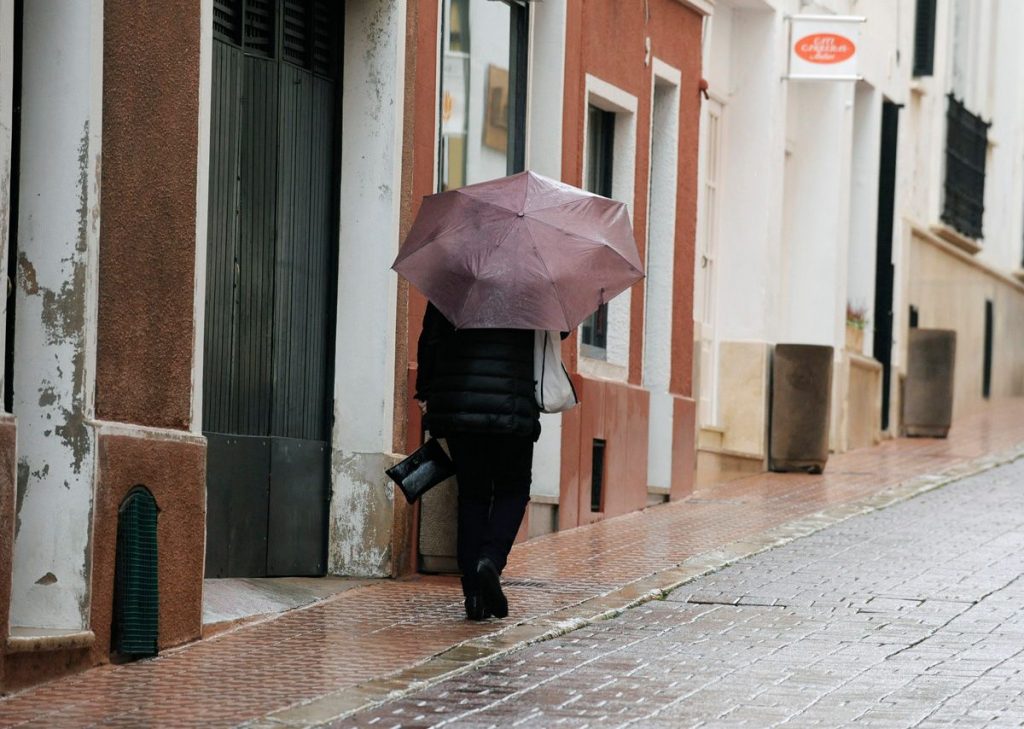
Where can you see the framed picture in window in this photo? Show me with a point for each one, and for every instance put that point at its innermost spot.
(496, 109)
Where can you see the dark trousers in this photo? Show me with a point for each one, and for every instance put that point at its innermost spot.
(494, 474)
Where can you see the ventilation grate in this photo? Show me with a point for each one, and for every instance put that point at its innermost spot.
(136, 588)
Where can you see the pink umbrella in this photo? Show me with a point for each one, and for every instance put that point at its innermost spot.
(521, 252)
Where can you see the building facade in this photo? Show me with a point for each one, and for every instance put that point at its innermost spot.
(201, 202)
(831, 214)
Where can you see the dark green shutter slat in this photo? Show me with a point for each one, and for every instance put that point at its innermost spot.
(259, 27)
(136, 587)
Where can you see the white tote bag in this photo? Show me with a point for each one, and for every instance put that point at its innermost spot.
(555, 393)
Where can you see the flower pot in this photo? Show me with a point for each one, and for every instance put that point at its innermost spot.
(928, 390)
(801, 401)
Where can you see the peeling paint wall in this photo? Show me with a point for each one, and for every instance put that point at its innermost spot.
(55, 323)
(371, 158)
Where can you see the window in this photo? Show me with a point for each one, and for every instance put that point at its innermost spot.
(600, 161)
(924, 38)
(966, 150)
(483, 91)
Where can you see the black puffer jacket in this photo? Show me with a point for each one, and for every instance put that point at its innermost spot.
(476, 381)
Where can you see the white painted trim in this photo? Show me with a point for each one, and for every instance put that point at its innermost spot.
(609, 97)
(438, 70)
(202, 211)
(147, 432)
(656, 362)
(662, 71)
(704, 7)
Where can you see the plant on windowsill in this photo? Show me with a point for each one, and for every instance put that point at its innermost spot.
(856, 323)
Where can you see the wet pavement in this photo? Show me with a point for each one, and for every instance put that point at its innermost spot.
(382, 640)
(907, 617)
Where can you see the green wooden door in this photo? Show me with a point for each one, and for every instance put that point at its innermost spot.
(270, 289)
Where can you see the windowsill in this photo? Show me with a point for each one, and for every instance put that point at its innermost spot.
(1019, 274)
(956, 238)
(601, 370)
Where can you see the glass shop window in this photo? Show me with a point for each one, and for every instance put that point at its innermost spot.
(600, 158)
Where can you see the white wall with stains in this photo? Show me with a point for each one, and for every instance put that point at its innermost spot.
(55, 323)
(371, 162)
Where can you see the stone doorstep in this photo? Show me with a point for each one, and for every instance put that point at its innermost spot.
(474, 653)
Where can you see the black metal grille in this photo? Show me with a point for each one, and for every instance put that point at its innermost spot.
(136, 587)
(259, 27)
(966, 150)
(227, 20)
(924, 38)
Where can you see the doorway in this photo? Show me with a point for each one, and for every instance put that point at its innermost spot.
(271, 285)
(884, 268)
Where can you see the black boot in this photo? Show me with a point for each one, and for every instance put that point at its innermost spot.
(475, 608)
(490, 588)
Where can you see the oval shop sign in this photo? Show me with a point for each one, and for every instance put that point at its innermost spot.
(825, 48)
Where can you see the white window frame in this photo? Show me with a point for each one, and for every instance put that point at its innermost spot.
(624, 105)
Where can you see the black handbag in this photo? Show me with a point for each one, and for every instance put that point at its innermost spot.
(422, 470)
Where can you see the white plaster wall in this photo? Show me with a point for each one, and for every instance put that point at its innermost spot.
(748, 81)
(544, 155)
(371, 158)
(864, 178)
(202, 209)
(56, 321)
(1004, 181)
(657, 360)
(817, 197)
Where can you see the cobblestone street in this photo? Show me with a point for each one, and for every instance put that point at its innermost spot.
(906, 617)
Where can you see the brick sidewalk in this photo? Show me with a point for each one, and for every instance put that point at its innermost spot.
(327, 653)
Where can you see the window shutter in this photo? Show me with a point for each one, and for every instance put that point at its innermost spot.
(924, 38)
(295, 26)
(227, 20)
(325, 26)
(259, 27)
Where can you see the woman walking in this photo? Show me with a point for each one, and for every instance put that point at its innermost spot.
(477, 387)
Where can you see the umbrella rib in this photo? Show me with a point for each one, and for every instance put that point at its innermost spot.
(551, 278)
(476, 280)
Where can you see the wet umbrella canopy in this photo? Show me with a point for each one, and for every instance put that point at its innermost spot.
(520, 252)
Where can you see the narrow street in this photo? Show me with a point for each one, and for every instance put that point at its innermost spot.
(906, 617)
(773, 597)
